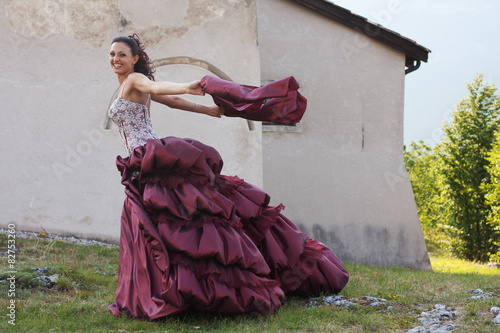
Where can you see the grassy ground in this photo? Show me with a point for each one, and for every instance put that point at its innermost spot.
(88, 281)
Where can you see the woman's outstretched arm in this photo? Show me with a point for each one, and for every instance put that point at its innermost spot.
(176, 102)
(143, 84)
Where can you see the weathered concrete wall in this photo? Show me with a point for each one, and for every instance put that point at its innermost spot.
(58, 161)
(340, 173)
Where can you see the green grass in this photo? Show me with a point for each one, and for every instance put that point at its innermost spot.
(88, 276)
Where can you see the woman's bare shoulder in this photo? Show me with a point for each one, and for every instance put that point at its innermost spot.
(136, 77)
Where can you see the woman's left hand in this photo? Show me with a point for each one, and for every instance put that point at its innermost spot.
(215, 111)
(194, 88)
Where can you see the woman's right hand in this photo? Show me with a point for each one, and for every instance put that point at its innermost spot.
(194, 88)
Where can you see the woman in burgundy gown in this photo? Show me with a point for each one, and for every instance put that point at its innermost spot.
(191, 237)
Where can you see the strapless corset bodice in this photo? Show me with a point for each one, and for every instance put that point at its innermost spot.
(133, 122)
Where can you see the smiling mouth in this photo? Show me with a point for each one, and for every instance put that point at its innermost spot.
(117, 66)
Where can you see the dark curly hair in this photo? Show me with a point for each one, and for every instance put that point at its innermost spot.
(143, 65)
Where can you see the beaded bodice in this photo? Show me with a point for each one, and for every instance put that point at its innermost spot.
(133, 121)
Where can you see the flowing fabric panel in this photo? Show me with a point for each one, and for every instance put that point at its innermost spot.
(278, 101)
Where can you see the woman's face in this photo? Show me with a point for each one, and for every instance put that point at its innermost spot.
(121, 59)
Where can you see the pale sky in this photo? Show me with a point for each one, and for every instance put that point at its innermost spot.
(464, 39)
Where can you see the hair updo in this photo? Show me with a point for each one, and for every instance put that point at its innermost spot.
(143, 65)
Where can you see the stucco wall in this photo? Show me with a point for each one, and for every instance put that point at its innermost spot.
(58, 161)
(340, 173)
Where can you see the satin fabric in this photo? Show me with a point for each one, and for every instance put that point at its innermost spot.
(278, 102)
(193, 238)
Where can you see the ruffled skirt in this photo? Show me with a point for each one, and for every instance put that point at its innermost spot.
(193, 238)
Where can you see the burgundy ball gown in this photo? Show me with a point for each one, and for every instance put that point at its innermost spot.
(193, 238)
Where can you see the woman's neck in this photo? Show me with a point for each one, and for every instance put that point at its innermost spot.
(123, 77)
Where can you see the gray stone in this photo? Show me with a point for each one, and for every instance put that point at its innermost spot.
(45, 280)
(436, 314)
(477, 291)
(374, 299)
(439, 314)
(442, 307)
(49, 281)
(446, 315)
(312, 303)
(479, 297)
(493, 265)
(435, 328)
(428, 320)
(337, 301)
(40, 270)
(330, 300)
(344, 303)
(480, 294)
(6, 253)
(496, 321)
(438, 328)
(375, 304)
(59, 238)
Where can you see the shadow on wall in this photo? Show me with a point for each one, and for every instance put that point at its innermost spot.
(373, 246)
(326, 237)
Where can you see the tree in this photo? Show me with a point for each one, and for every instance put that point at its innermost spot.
(464, 151)
(424, 169)
(493, 197)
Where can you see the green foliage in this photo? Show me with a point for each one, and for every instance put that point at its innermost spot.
(464, 152)
(493, 197)
(457, 183)
(23, 280)
(424, 169)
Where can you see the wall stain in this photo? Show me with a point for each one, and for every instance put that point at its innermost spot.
(91, 21)
(198, 12)
(378, 246)
(86, 220)
(88, 21)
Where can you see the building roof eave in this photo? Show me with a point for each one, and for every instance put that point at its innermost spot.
(413, 51)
